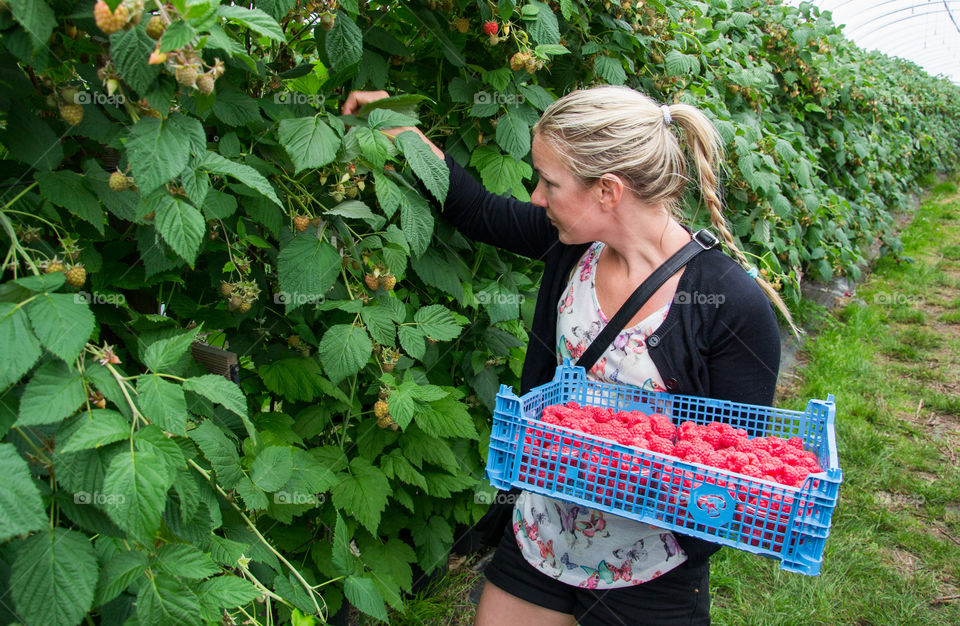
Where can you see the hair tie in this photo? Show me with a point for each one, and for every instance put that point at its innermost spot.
(667, 118)
(752, 272)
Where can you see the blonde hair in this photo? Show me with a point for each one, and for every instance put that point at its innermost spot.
(618, 130)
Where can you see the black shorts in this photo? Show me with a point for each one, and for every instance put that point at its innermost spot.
(681, 597)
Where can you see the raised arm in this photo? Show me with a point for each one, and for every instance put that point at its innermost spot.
(519, 227)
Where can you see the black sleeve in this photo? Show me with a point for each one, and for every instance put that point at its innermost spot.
(519, 227)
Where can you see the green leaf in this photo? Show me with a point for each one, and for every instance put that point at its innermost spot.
(31, 140)
(54, 576)
(446, 418)
(344, 350)
(412, 341)
(513, 135)
(386, 119)
(418, 446)
(96, 428)
(227, 591)
(164, 353)
(344, 42)
(610, 70)
(18, 344)
(129, 51)
(294, 378)
(220, 451)
(501, 173)
(362, 593)
(163, 403)
(235, 108)
(356, 209)
(374, 146)
(394, 465)
(343, 557)
(307, 267)
(428, 167)
(272, 468)
(433, 539)
(544, 28)
(37, 18)
(196, 184)
(72, 192)
(185, 560)
(388, 193)
(416, 220)
(437, 322)
(165, 600)
(21, 509)
(220, 390)
(254, 19)
(52, 394)
(118, 573)
(363, 493)
(380, 324)
(135, 490)
(62, 322)
(159, 150)
(218, 205)
(176, 36)
(216, 164)
(680, 64)
(437, 272)
(550, 48)
(309, 142)
(181, 226)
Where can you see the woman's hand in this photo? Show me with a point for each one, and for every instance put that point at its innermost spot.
(356, 100)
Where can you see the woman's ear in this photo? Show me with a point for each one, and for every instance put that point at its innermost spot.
(609, 189)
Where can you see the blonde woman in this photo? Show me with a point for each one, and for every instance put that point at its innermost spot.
(612, 169)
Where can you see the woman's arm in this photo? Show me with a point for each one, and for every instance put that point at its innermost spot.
(519, 227)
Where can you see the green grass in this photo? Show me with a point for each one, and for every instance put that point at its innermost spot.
(893, 548)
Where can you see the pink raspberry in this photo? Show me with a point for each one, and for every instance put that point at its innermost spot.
(661, 445)
(796, 442)
(662, 426)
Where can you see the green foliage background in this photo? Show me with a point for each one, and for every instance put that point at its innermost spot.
(187, 495)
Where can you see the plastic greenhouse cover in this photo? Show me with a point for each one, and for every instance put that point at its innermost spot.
(926, 32)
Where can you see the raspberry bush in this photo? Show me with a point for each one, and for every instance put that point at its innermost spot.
(178, 174)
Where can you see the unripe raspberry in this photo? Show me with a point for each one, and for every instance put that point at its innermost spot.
(294, 341)
(372, 281)
(531, 65)
(155, 27)
(327, 20)
(76, 276)
(388, 282)
(381, 408)
(226, 288)
(301, 223)
(187, 75)
(462, 25)
(205, 84)
(109, 22)
(494, 40)
(518, 61)
(53, 265)
(244, 307)
(491, 27)
(72, 113)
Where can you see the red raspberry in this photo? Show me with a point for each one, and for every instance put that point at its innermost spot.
(751, 470)
(682, 449)
(702, 449)
(711, 436)
(661, 445)
(715, 459)
(791, 476)
(662, 426)
(730, 439)
(490, 28)
(796, 442)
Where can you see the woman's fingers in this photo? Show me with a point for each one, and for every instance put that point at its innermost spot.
(357, 99)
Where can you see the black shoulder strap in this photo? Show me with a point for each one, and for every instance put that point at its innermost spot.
(702, 240)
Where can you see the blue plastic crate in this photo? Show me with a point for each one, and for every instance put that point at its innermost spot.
(790, 524)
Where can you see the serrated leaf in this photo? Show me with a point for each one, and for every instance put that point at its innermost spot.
(185, 560)
(181, 226)
(63, 323)
(428, 167)
(344, 42)
(52, 394)
(164, 353)
(437, 322)
(433, 539)
(70, 191)
(221, 391)
(356, 209)
(380, 324)
(272, 468)
(363, 594)
(309, 142)
(363, 493)
(118, 573)
(394, 465)
(342, 556)
(680, 64)
(446, 418)
(21, 509)
(165, 600)
(412, 341)
(54, 577)
(307, 267)
(163, 403)
(159, 150)
(216, 164)
(501, 173)
(254, 19)
(96, 428)
(218, 205)
(293, 378)
(344, 350)
(196, 184)
(387, 119)
(254, 497)
(129, 51)
(610, 70)
(513, 135)
(18, 344)
(31, 140)
(436, 271)
(544, 28)
(37, 19)
(135, 490)
(227, 592)
(416, 220)
(388, 193)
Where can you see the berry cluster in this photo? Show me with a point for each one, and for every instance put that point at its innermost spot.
(716, 444)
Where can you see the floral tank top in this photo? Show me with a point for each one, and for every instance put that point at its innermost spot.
(572, 543)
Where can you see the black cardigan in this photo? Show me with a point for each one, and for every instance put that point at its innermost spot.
(719, 340)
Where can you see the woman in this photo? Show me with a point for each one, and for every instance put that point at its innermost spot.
(603, 216)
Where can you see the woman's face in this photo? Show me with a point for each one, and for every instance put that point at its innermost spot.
(571, 207)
